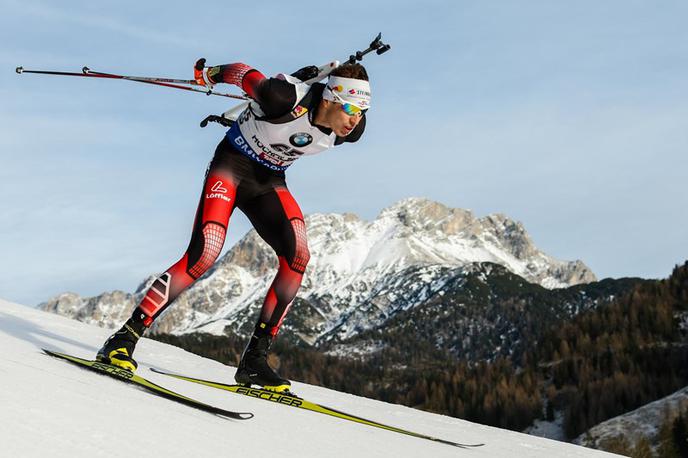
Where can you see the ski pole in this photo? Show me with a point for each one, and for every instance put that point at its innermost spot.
(169, 82)
(376, 45)
(87, 73)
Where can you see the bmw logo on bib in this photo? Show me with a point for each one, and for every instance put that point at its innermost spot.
(301, 139)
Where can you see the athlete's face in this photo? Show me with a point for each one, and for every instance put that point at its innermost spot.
(334, 117)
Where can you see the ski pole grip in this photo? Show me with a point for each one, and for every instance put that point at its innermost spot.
(20, 70)
(383, 49)
(218, 119)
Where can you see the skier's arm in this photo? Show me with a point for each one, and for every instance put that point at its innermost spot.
(275, 96)
(239, 74)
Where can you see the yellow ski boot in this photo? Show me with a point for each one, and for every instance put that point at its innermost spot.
(254, 369)
(119, 348)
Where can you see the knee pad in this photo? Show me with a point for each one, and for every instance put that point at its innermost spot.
(213, 238)
(301, 253)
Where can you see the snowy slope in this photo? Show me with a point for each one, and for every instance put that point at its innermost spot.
(51, 408)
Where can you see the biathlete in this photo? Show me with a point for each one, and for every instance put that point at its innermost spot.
(285, 120)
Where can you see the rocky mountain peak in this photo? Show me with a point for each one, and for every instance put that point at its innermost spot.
(357, 272)
(420, 214)
(511, 234)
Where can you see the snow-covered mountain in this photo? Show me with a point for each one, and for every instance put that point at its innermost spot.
(52, 408)
(642, 422)
(361, 273)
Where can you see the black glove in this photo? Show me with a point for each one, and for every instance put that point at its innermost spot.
(218, 119)
(306, 73)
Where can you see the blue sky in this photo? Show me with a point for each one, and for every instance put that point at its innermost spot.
(567, 116)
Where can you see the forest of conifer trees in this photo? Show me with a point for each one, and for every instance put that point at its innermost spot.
(600, 364)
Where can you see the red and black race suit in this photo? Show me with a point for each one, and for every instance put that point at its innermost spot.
(235, 181)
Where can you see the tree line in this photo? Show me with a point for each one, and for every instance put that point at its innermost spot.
(602, 363)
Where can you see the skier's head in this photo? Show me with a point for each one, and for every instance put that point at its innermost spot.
(345, 98)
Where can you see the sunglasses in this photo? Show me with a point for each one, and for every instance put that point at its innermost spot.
(349, 108)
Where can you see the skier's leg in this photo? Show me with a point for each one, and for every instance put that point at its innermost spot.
(208, 236)
(279, 221)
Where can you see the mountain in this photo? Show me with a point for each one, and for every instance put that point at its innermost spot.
(642, 422)
(361, 274)
(52, 408)
(478, 313)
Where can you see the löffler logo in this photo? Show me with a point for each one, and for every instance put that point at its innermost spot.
(217, 187)
(218, 192)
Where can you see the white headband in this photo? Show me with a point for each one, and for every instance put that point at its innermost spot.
(350, 90)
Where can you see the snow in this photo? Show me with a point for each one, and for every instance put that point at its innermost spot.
(353, 264)
(682, 318)
(52, 408)
(644, 421)
(549, 429)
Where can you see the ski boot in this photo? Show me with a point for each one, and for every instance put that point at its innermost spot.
(254, 369)
(119, 348)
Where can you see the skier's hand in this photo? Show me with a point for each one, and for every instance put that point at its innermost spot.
(306, 73)
(204, 75)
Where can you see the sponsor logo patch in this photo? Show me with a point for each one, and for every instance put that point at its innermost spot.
(218, 192)
(355, 91)
(217, 187)
(301, 139)
(299, 111)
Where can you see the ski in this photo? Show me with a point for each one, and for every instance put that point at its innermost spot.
(130, 377)
(300, 403)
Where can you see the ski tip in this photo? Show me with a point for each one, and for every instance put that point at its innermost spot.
(85, 70)
(468, 446)
(52, 352)
(20, 70)
(245, 415)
